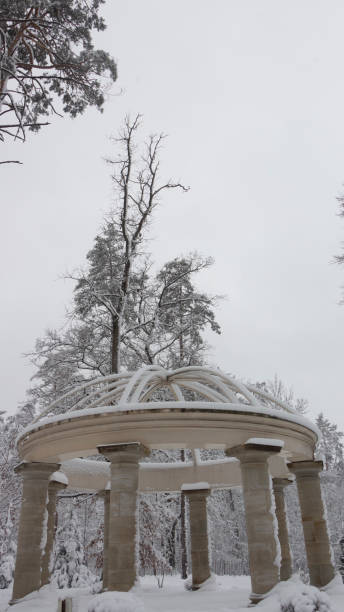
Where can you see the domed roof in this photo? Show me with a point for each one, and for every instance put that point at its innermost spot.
(156, 384)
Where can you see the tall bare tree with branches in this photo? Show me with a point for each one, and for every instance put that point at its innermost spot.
(137, 190)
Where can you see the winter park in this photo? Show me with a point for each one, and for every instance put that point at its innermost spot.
(172, 306)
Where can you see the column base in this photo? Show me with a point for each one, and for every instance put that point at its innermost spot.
(18, 600)
(191, 586)
(254, 600)
(336, 581)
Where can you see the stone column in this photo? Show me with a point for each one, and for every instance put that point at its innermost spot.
(53, 488)
(199, 534)
(106, 497)
(318, 548)
(124, 459)
(286, 562)
(32, 527)
(263, 545)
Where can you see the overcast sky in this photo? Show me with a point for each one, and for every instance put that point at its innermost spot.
(251, 94)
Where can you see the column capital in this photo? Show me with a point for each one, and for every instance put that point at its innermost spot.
(104, 493)
(251, 452)
(55, 485)
(305, 468)
(129, 451)
(280, 483)
(35, 469)
(196, 494)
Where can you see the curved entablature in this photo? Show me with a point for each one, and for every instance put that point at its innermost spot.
(156, 384)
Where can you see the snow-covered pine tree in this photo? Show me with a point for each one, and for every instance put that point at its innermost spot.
(331, 445)
(47, 55)
(172, 315)
(69, 565)
(331, 450)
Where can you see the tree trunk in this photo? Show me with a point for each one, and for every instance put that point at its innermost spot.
(236, 529)
(115, 345)
(172, 545)
(181, 350)
(184, 559)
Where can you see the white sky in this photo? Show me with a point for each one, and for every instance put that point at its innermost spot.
(251, 95)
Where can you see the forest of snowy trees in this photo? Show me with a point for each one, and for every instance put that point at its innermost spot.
(126, 313)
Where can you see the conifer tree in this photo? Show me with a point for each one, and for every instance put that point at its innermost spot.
(48, 64)
(331, 445)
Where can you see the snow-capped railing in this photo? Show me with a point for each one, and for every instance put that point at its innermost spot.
(154, 383)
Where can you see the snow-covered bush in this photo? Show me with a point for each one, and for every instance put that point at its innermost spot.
(304, 598)
(115, 601)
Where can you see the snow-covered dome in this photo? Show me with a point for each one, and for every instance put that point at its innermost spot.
(156, 384)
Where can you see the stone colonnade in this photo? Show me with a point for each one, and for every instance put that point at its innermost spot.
(269, 551)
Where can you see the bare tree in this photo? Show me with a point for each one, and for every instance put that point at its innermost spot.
(106, 286)
(277, 388)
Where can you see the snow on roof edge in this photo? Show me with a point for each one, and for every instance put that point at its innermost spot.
(265, 442)
(195, 486)
(229, 407)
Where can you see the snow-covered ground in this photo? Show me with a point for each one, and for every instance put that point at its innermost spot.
(224, 594)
